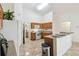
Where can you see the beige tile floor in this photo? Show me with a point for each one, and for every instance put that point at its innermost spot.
(11, 49)
(73, 51)
(33, 48)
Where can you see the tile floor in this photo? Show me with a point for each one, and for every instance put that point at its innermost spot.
(11, 49)
(73, 51)
(33, 48)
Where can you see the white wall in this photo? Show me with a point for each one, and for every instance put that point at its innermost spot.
(48, 17)
(10, 31)
(10, 28)
(30, 16)
(13, 30)
(67, 12)
(18, 8)
(7, 6)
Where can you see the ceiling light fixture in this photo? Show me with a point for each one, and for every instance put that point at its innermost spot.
(41, 6)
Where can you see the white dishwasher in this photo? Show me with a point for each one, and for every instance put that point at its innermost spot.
(38, 35)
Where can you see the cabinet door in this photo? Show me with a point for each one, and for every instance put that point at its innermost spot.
(64, 44)
(59, 46)
(1, 16)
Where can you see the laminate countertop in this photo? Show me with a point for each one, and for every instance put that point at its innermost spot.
(61, 34)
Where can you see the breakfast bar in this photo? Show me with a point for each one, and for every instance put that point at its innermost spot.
(59, 43)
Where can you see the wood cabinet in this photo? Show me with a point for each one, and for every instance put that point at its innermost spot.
(33, 25)
(43, 34)
(33, 36)
(47, 25)
(49, 42)
(43, 26)
(1, 16)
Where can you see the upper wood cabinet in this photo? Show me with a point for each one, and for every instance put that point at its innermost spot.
(47, 25)
(1, 16)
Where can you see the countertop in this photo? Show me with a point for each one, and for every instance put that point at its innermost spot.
(61, 34)
(42, 30)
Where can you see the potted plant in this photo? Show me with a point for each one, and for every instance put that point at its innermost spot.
(8, 15)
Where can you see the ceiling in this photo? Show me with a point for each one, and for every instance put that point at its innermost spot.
(52, 7)
(33, 7)
(56, 7)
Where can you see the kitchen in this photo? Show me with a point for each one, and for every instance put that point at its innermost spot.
(55, 25)
(42, 27)
(37, 26)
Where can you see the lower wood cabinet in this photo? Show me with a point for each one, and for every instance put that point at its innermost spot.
(49, 42)
(43, 34)
(33, 36)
